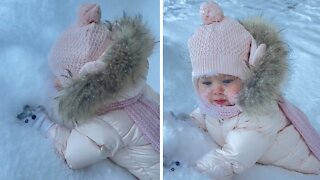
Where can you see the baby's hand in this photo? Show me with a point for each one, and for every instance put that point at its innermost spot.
(190, 118)
(180, 116)
(35, 117)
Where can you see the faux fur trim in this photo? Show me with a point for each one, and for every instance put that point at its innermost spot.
(263, 85)
(127, 62)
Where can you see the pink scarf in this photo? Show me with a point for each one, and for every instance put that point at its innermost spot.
(146, 115)
(301, 123)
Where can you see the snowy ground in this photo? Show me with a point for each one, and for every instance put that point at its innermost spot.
(300, 24)
(27, 31)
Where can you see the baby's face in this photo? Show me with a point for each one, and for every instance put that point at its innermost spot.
(219, 89)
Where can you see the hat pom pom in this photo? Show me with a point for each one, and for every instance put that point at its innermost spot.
(89, 13)
(211, 12)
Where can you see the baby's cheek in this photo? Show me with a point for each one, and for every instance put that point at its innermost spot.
(232, 94)
(232, 98)
(205, 95)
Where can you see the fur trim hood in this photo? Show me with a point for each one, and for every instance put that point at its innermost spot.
(263, 86)
(126, 62)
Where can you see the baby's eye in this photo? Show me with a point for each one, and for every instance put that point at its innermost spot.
(227, 81)
(208, 83)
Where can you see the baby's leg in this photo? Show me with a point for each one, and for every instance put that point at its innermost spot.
(142, 161)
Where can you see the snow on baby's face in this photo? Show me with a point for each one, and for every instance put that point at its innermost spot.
(219, 89)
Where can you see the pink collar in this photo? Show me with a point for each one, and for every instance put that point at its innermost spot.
(220, 112)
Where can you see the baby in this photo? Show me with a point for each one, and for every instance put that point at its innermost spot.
(101, 70)
(237, 70)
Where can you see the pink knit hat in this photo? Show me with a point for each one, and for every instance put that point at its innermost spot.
(222, 45)
(81, 44)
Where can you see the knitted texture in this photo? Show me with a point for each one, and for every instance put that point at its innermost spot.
(217, 111)
(220, 46)
(88, 14)
(146, 115)
(302, 124)
(82, 42)
(211, 12)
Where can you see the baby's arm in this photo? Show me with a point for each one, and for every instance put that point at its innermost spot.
(198, 118)
(243, 148)
(86, 144)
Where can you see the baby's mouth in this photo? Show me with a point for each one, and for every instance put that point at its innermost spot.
(220, 101)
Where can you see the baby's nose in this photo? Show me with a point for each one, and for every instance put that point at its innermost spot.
(217, 89)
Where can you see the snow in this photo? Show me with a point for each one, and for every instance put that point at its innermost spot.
(299, 22)
(28, 29)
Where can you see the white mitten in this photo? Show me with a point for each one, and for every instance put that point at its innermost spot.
(215, 166)
(35, 117)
